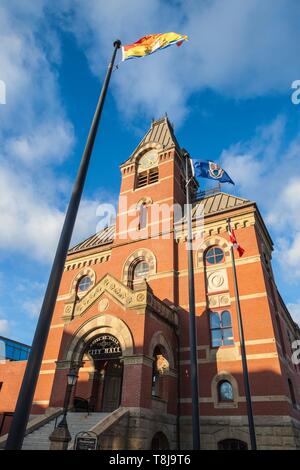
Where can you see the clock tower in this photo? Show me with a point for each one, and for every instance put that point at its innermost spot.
(152, 196)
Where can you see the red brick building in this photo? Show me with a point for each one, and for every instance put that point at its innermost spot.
(121, 319)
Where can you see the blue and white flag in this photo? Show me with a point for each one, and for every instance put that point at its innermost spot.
(211, 170)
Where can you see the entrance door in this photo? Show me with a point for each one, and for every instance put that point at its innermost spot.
(112, 386)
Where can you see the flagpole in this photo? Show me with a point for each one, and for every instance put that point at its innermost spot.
(192, 315)
(26, 394)
(243, 353)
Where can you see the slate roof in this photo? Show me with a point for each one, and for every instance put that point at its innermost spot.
(210, 204)
(217, 202)
(104, 237)
(160, 132)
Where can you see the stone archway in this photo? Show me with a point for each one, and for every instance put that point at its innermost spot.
(158, 339)
(96, 351)
(160, 442)
(94, 327)
(232, 444)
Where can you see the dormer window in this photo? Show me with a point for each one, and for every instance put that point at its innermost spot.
(147, 171)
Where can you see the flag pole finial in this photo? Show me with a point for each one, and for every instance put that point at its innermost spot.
(117, 43)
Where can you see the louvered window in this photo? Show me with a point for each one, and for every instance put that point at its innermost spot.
(147, 177)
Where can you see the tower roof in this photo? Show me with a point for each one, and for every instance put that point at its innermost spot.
(161, 132)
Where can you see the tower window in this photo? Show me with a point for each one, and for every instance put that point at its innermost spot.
(143, 216)
(225, 391)
(84, 283)
(214, 255)
(221, 329)
(147, 177)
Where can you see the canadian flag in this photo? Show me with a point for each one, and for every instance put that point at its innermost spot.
(233, 240)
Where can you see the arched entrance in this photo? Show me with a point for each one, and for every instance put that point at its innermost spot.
(232, 444)
(160, 442)
(104, 352)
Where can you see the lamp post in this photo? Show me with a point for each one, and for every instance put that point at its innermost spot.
(61, 436)
(72, 379)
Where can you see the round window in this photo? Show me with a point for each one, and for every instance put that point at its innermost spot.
(214, 255)
(84, 283)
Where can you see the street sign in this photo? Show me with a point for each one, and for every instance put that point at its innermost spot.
(86, 441)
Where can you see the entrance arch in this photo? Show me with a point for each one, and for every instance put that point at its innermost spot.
(94, 327)
(105, 351)
(96, 350)
(160, 442)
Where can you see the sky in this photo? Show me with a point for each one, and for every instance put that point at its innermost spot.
(228, 92)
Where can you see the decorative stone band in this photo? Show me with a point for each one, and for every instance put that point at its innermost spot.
(86, 261)
(129, 299)
(133, 360)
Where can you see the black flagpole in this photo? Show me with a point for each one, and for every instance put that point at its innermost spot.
(243, 353)
(192, 315)
(26, 394)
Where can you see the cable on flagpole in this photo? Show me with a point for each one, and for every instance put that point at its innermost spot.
(116, 67)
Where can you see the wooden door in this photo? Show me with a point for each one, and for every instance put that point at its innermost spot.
(112, 386)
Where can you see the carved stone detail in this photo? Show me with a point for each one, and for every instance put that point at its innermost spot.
(129, 299)
(221, 300)
(217, 280)
(161, 364)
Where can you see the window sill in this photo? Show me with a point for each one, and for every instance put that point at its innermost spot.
(226, 405)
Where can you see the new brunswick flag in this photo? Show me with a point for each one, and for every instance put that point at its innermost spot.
(149, 44)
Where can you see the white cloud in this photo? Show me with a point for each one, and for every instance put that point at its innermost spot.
(87, 220)
(266, 170)
(33, 307)
(28, 223)
(294, 309)
(242, 49)
(36, 136)
(48, 142)
(35, 133)
(31, 224)
(4, 326)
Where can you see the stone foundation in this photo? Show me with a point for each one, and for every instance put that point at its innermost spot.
(272, 432)
(135, 431)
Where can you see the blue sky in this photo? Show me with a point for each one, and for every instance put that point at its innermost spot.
(227, 91)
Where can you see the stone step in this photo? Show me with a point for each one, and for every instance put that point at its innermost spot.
(77, 422)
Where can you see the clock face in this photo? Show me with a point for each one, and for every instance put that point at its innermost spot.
(149, 159)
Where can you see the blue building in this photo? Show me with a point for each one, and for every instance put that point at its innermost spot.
(11, 350)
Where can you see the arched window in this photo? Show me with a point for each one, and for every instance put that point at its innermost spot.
(84, 283)
(292, 393)
(221, 329)
(159, 363)
(232, 444)
(140, 271)
(143, 216)
(214, 255)
(225, 391)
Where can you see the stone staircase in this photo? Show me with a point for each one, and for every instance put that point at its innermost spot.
(39, 438)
